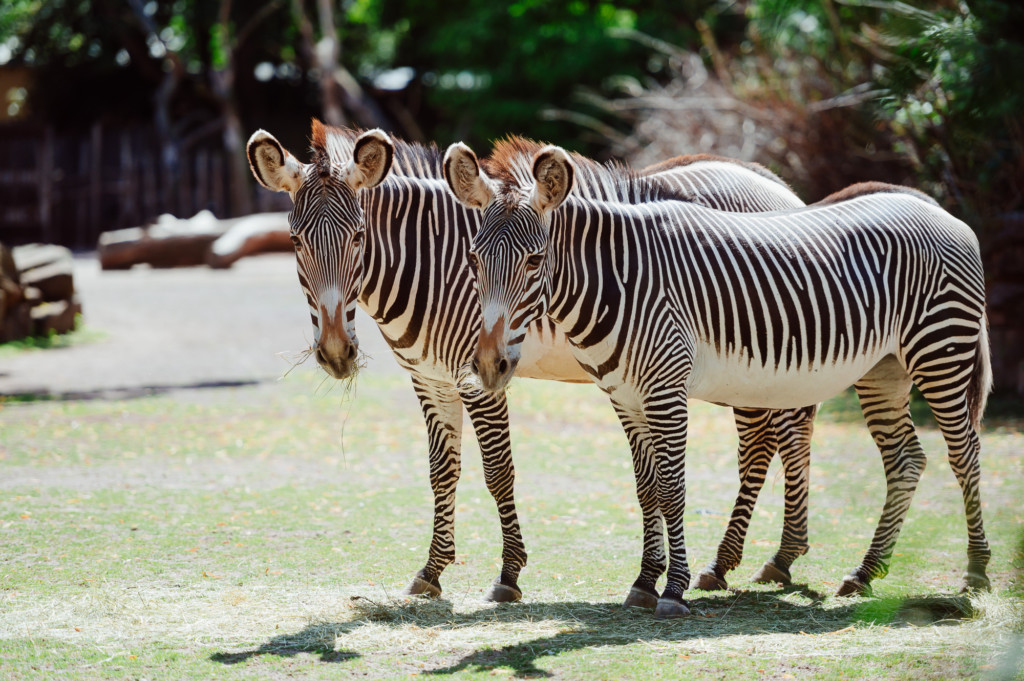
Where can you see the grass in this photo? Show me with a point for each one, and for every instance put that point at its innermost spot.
(266, 532)
(81, 334)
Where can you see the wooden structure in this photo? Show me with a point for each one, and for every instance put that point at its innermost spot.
(67, 188)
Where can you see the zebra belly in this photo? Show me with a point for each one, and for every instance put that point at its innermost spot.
(733, 382)
(547, 355)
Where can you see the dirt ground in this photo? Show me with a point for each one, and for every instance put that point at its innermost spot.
(151, 330)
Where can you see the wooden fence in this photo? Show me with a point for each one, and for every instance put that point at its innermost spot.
(68, 188)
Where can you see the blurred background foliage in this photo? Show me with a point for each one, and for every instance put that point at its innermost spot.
(827, 92)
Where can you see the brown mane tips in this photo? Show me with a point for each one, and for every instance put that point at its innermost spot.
(866, 188)
(318, 135)
(509, 152)
(693, 159)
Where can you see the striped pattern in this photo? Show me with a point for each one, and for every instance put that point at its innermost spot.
(433, 332)
(669, 300)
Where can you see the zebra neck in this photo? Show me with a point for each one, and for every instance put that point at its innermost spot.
(415, 267)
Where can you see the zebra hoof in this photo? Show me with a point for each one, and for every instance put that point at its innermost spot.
(854, 586)
(638, 598)
(771, 574)
(500, 593)
(709, 581)
(975, 582)
(421, 587)
(669, 608)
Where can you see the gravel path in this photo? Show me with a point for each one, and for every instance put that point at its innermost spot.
(153, 330)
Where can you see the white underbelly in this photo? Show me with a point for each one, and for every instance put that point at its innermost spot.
(730, 381)
(549, 356)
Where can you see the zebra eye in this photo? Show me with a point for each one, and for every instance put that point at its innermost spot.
(357, 238)
(534, 261)
(473, 262)
(296, 242)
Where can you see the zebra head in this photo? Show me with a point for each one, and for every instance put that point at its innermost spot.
(327, 226)
(510, 251)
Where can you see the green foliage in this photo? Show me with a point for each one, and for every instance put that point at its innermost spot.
(955, 92)
(490, 69)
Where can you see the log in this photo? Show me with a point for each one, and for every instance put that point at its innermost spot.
(15, 323)
(55, 317)
(168, 243)
(49, 268)
(263, 233)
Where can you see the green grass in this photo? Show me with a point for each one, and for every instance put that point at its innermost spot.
(265, 532)
(81, 334)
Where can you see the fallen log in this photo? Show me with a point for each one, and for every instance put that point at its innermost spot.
(264, 233)
(169, 242)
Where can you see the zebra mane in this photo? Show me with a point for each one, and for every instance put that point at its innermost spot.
(693, 159)
(329, 144)
(866, 188)
(511, 164)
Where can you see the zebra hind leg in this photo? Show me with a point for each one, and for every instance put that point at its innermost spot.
(884, 394)
(793, 429)
(442, 412)
(949, 406)
(757, 446)
(489, 414)
(644, 592)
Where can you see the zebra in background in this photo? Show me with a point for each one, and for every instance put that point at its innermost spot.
(400, 250)
(667, 300)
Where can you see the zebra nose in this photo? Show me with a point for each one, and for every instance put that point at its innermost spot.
(502, 366)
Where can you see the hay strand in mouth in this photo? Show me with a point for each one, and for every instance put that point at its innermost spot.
(294, 358)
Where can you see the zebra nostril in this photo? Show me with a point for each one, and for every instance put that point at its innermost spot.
(352, 351)
(320, 355)
(502, 365)
(475, 366)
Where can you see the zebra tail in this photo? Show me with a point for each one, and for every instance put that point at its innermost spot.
(981, 378)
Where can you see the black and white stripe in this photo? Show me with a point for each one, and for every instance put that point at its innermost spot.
(668, 300)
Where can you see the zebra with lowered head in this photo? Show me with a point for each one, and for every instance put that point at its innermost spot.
(665, 300)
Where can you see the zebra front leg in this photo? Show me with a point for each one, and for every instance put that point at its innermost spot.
(793, 429)
(644, 592)
(667, 417)
(884, 395)
(489, 414)
(757, 446)
(442, 412)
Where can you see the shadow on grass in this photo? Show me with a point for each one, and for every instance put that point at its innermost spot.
(126, 393)
(787, 610)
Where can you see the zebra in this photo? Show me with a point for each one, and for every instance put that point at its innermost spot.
(663, 300)
(346, 223)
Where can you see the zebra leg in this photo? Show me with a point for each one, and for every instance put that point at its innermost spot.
(885, 401)
(666, 413)
(793, 429)
(757, 445)
(489, 414)
(945, 392)
(644, 592)
(442, 411)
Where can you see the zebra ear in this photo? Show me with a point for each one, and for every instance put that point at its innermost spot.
(371, 160)
(462, 172)
(273, 166)
(553, 171)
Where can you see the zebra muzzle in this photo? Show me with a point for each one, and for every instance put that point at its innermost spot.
(337, 357)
